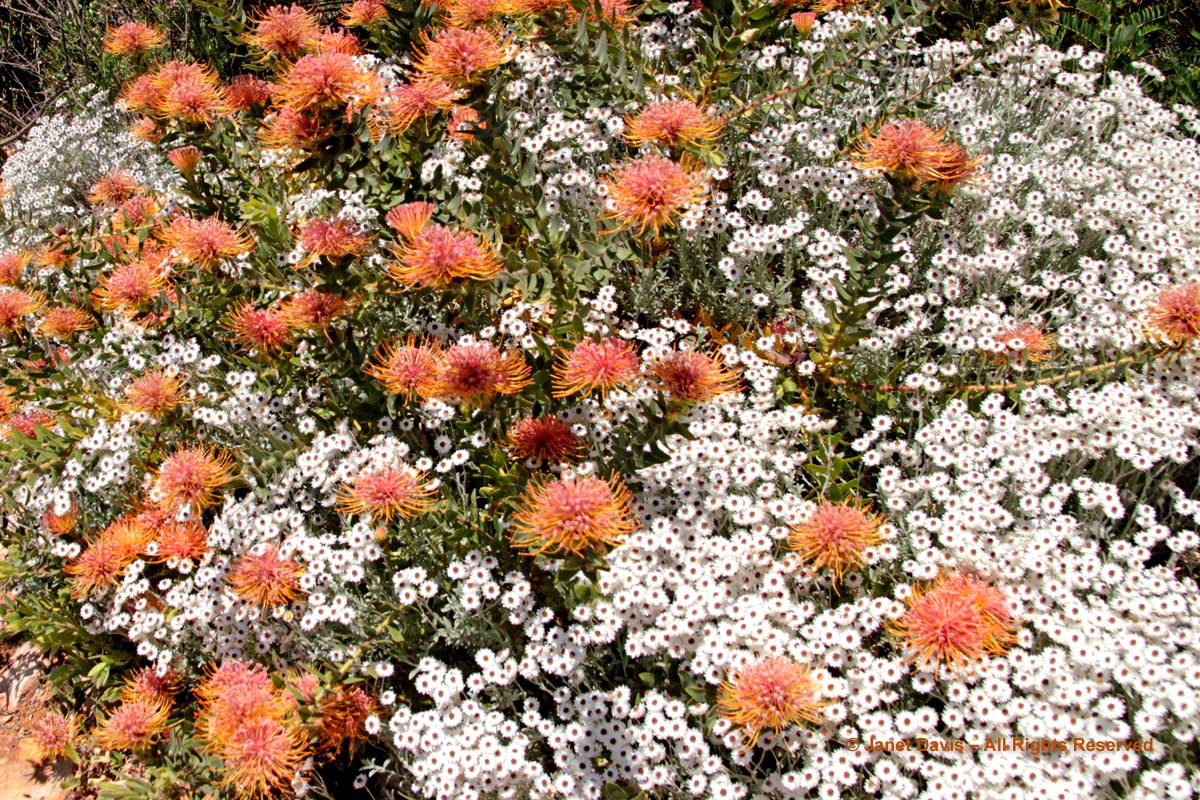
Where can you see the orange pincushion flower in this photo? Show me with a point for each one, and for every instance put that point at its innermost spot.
(1176, 316)
(420, 99)
(804, 21)
(913, 152)
(154, 393)
(333, 238)
(691, 376)
(12, 265)
(385, 493)
(363, 13)
(409, 370)
(265, 330)
(103, 561)
(147, 684)
(192, 476)
(475, 373)
(64, 322)
(437, 256)
(461, 56)
(409, 219)
(247, 91)
(134, 726)
(651, 192)
(133, 38)
(1026, 343)
(836, 536)
(16, 304)
(283, 31)
(774, 694)
(572, 514)
(547, 439)
(52, 735)
(180, 541)
(53, 254)
(339, 41)
(341, 724)
(8, 405)
(131, 287)
(141, 94)
(956, 621)
(673, 123)
(114, 188)
(189, 93)
(312, 310)
(185, 158)
(327, 80)
(266, 579)
(61, 524)
(262, 757)
(146, 129)
(592, 365)
(205, 242)
(469, 13)
(27, 423)
(293, 130)
(134, 212)
(463, 120)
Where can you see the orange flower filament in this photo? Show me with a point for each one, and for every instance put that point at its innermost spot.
(651, 192)
(673, 123)
(956, 621)
(572, 514)
(384, 493)
(420, 99)
(284, 31)
(409, 370)
(265, 330)
(461, 56)
(114, 188)
(913, 152)
(333, 238)
(475, 373)
(64, 322)
(437, 256)
(192, 476)
(547, 439)
(267, 579)
(154, 393)
(15, 304)
(12, 265)
(603, 365)
(328, 80)
(1176, 316)
(1026, 343)
(134, 725)
(363, 13)
(312, 309)
(774, 694)
(409, 219)
(133, 38)
(835, 537)
(131, 287)
(691, 376)
(205, 242)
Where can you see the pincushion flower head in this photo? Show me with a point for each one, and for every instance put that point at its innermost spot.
(1175, 318)
(134, 725)
(247, 91)
(186, 92)
(601, 365)
(472, 13)
(438, 256)
(131, 287)
(770, 695)
(836, 536)
(341, 720)
(52, 735)
(180, 541)
(420, 99)
(293, 130)
(954, 622)
(15, 305)
(312, 309)
(336, 237)
(12, 265)
(691, 376)
(133, 38)
(363, 13)
(263, 330)
(461, 56)
(192, 477)
(672, 123)
(185, 158)
(262, 757)
(651, 193)
(283, 31)
(1023, 344)
(267, 578)
(383, 493)
(573, 514)
(114, 188)
(147, 684)
(477, 372)
(205, 242)
(328, 80)
(546, 439)
(64, 322)
(105, 558)
(409, 370)
(915, 154)
(155, 393)
(409, 219)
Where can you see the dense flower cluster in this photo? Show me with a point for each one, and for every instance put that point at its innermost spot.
(420, 408)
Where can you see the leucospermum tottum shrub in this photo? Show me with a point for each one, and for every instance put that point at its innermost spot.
(449, 420)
